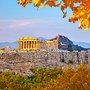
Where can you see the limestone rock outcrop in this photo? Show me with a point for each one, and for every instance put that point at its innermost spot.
(21, 62)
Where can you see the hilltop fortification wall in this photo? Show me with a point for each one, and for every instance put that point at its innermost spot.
(23, 61)
(44, 57)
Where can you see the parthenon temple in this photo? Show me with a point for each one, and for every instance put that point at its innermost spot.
(33, 44)
(28, 44)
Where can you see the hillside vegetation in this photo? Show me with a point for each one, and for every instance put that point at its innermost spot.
(48, 79)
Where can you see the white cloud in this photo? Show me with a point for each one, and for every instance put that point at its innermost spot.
(19, 24)
(11, 24)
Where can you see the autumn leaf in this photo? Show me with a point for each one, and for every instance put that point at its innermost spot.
(36, 2)
(80, 9)
(64, 14)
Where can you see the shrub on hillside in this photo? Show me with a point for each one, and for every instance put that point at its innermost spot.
(48, 79)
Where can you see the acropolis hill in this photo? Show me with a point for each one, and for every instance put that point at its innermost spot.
(21, 62)
(33, 53)
(33, 44)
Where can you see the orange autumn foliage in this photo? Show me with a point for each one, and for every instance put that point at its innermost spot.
(48, 79)
(71, 79)
(80, 9)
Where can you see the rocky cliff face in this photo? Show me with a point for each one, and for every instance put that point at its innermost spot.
(63, 43)
(22, 62)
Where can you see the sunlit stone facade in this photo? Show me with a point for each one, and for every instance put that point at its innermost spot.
(1, 50)
(28, 44)
(52, 44)
(33, 44)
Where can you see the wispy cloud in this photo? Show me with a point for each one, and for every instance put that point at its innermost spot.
(1, 21)
(2, 28)
(19, 24)
(11, 24)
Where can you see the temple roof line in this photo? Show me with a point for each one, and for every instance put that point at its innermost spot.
(27, 38)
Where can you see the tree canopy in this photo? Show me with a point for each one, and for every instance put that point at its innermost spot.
(80, 9)
(48, 79)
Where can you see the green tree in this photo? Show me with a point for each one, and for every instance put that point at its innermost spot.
(69, 48)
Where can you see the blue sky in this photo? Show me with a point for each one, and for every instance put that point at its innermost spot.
(17, 22)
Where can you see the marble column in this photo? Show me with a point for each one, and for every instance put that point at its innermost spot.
(35, 44)
(28, 45)
(23, 44)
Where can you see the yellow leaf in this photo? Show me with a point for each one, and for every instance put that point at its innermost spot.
(86, 29)
(35, 2)
(80, 12)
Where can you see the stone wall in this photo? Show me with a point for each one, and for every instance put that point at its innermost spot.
(43, 57)
(23, 61)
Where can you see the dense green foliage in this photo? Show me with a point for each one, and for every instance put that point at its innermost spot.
(9, 81)
(44, 75)
(48, 79)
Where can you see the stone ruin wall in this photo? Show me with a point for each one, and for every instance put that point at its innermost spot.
(43, 58)
(21, 62)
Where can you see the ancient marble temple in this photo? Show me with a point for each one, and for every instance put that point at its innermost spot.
(28, 44)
